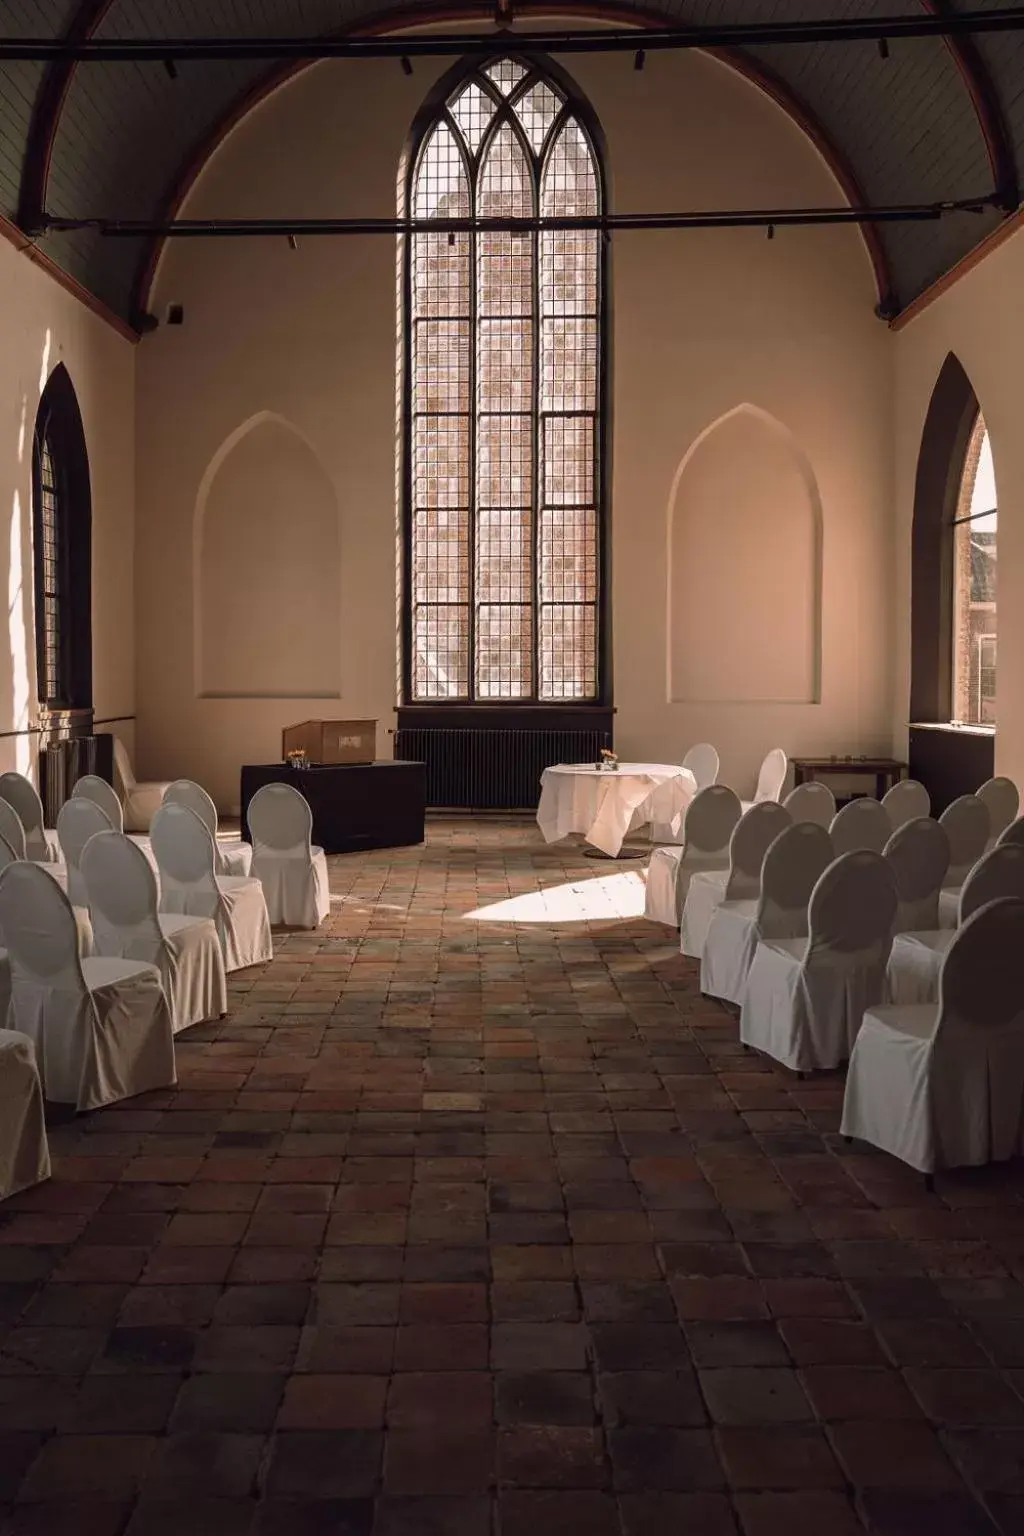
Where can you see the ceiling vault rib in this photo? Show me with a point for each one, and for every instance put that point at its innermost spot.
(979, 83)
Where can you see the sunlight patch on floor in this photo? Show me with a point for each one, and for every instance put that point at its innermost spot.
(578, 901)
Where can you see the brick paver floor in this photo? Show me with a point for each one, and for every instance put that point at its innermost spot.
(478, 1227)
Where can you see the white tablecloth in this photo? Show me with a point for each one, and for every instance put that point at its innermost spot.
(604, 806)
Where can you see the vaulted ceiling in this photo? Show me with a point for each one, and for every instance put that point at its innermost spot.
(938, 119)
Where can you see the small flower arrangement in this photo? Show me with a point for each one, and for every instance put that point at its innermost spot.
(298, 757)
(609, 760)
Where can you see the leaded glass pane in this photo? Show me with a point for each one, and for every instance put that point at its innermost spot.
(504, 556)
(441, 461)
(441, 555)
(504, 650)
(440, 653)
(569, 184)
(442, 190)
(568, 461)
(504, 454)
(537, 109)
(568, 652)
(441, 380)
(568, 555)
(472, 109)
(505, 365)
(568, 365)
(506, 74)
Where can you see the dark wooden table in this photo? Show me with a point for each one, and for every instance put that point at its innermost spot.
(355, 805)
(886, 771)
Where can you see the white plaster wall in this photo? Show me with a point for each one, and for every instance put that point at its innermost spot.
(44, 325)
(702, 323)
(980, 318)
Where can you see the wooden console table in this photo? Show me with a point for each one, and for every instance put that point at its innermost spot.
(355, 805)
(885, 771)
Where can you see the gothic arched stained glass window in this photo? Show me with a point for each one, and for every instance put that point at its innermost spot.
(503, 336)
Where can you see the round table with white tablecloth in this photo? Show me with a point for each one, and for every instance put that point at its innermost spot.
(604, 805)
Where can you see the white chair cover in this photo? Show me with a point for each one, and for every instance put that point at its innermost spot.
(22, 795)
(190, 886)
(770, 779)
(702, 761)
(126, 924)
(805, 997)
(101, 1028)
(942, 1085)
(7, 856)
(792, 867)
(141, 801)
(91, 787)
(1014, 833)
(293, 873)
(913, 971)
(812, 802)
(234, 857)
(751, 838)
(24, 1153)
(77, 821)
(710, 818)
(906, 801)
(12, 830)
(967, 826)
(862, 824)
(1001, 798)
(918, 855)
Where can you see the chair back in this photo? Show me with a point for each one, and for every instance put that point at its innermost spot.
(792, 867)
(186, 860)
(906, 801)
(40, 934)
(981, 981)
(11, 829)
(1014, 833)
(812, 802)
(998, 874)
(752, 836)
(123, 899)
(123, 764)
(702, 761)
(861, 824)
(853, 907)
(22, 795)
(967, 826)
(194, 796)
(1002, 798)
(710, 821)
(281, 821)
(77, 821)
(771, 776)
(91, 787)
(7, 854)
(918, 855)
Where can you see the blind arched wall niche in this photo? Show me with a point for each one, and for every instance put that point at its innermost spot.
(267, 569)
(503, 337)
(744, 578)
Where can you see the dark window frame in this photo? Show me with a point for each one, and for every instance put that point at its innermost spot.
(432, 111)
(59, 428)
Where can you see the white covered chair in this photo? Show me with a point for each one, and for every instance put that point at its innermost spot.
(292, 872)
(233, 855)
(91, 787)
(190, 885)
(24, 1152)
(862, 824)
(918, 855)
(702, 761)
(805, 997)
(906, 801)
(11, 829)
(101, 1027)
(812, 802)
(751, 838)
(710, 818)
(966, 823)
(77, 821)
(770, 779)
(140, 801)
(1002, 799)
(792, 867)
(941, 1085)
(1014, 833)
(912, 975)
(125, 922)
(22, 795)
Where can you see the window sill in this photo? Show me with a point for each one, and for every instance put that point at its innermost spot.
(952, 728)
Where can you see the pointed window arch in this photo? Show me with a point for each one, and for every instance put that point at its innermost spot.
(62, 546)
(503, 338)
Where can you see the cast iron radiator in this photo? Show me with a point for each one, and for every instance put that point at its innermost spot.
(61, 763)
(492, 770)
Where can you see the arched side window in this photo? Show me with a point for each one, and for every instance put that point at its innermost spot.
(62, 541)
(503, 341)
(974, 530)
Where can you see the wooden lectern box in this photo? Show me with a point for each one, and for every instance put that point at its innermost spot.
(332, 741)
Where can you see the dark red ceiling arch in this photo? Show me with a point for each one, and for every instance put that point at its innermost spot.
(49, 104)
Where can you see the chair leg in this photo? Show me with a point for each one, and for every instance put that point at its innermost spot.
(848, 1140)
(929, 1183)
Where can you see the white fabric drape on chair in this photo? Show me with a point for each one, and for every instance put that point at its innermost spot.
(292, 872)
(101, 1028)
(126, 924)
(812, 802)
(77, 821)
(862, 824)
(918, 855)
(906, 801)
(967, 825)
(22, 795)
(751, 838)
(141, 801)
(1001, 799)
(91, 787)
(770, 778)
(941, 1085)
(190, 885)
(24, 1153)
(702, 761)
(710, 818)
(233, 856)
